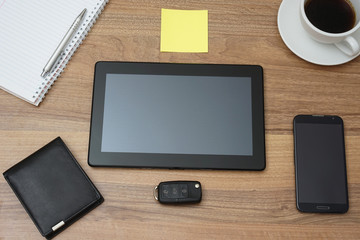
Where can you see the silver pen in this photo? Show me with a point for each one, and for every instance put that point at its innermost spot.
(50, 64)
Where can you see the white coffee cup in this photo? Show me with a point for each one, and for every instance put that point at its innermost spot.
(344, 41)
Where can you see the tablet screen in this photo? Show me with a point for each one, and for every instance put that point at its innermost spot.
(177, 114)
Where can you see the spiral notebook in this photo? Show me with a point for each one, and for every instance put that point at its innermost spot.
(30, 31)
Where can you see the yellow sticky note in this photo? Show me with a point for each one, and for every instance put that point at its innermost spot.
(184, 30)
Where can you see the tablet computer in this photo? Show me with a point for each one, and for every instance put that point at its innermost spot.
(166, 115)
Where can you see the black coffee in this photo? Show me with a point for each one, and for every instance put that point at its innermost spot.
(333, 16)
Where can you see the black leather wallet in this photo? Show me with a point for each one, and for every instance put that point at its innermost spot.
(53, 188)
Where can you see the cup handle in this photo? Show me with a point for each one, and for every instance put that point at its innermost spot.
(349, 46)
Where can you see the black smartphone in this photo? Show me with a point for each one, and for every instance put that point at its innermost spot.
(320, 165)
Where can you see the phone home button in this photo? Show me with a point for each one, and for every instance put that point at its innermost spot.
(323, 207)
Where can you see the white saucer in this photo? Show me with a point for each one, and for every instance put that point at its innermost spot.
(300, 43)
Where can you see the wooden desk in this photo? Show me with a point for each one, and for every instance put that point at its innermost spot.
(236, 204)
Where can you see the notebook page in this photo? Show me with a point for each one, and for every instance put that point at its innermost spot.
(30, 31)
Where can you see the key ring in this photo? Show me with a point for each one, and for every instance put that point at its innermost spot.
(154, 192)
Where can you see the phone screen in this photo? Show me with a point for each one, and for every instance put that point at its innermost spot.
(321, 183)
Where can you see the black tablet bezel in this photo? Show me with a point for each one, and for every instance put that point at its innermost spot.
(181, 161)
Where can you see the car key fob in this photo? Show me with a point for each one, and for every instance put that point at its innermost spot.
(178, 192)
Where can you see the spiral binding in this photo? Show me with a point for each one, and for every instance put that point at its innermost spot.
(70, 49)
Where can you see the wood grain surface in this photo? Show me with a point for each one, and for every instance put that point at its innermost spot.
(236, 204)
